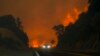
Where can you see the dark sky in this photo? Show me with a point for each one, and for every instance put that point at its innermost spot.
(39, 16)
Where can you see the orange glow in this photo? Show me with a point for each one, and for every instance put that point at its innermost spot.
(77, 12)
(69, 19)
(86, 8)
(73, 13)
(34, 44)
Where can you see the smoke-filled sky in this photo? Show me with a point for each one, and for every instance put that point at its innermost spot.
(39, 16)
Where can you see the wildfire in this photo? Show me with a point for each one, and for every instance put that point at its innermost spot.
(39, 16)
(69, 19)
(34, 44)
(71, 16)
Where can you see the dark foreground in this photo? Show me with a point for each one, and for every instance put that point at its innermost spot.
(59, 52)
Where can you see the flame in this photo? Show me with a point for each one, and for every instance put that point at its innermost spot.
(69, 19)
(34, 44)
(42, 37)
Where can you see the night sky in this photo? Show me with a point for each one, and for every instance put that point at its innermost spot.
(39, 16)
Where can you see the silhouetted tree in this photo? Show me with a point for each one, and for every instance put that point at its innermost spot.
(11, 25)
(59, 29)
(85, 33)
(19, 23)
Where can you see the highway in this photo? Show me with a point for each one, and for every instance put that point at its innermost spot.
(59, 52)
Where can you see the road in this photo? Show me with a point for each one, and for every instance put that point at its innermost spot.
(55, 52)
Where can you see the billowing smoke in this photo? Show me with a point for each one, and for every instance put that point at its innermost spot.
(39, 16)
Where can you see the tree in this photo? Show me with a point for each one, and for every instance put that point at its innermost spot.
(59, 29)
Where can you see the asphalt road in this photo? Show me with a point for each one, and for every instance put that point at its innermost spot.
(55, 52)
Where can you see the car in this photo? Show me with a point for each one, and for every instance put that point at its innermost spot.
(46, 46)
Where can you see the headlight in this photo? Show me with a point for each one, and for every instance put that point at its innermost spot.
(48, 46)
(43, 46)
